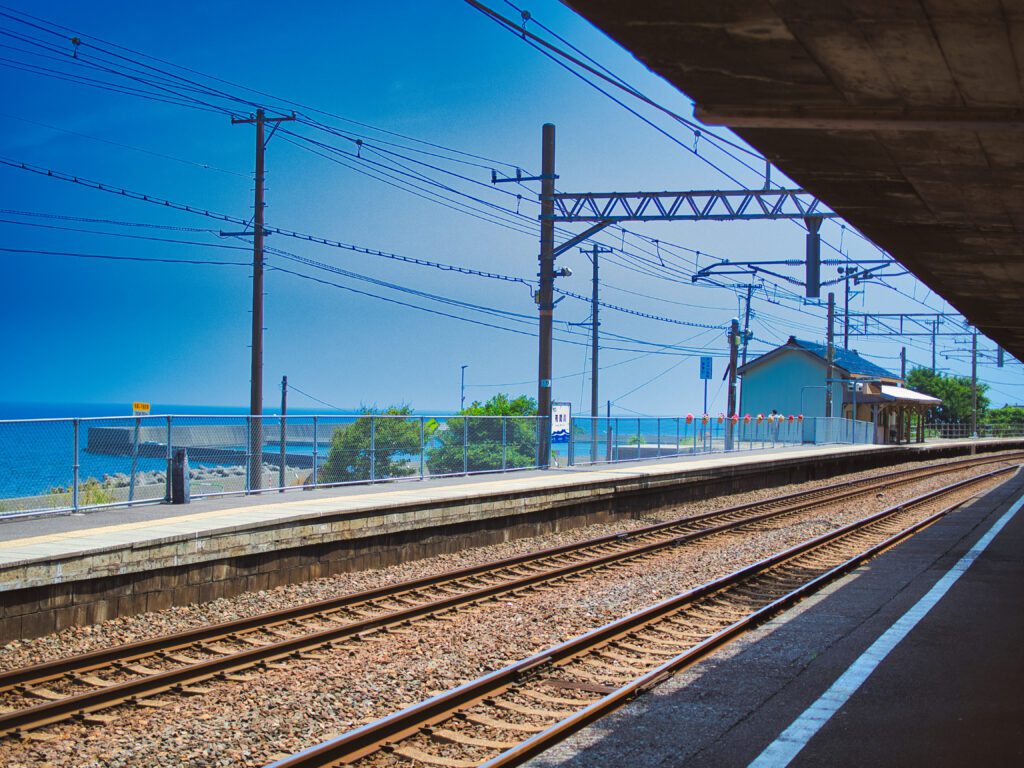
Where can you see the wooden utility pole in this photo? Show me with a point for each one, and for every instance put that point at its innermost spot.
(255, 468)
(746, 322)
(545, 294)
(734, 344)
(830, 352)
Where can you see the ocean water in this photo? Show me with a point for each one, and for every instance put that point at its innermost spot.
(37, 453)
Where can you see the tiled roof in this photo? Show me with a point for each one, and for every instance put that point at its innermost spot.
(846, 359)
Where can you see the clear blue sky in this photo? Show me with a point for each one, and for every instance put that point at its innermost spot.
(88, 330)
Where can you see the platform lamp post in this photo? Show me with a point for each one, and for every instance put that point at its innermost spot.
(462, 389)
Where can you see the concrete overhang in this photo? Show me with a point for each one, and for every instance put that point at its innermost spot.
(905, 117)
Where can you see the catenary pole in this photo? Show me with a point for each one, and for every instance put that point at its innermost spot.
(974, 383)
(830, 352)
(846, 311)
(594, 253)
(545, 294)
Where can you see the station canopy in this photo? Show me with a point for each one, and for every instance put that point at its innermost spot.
(905, 117)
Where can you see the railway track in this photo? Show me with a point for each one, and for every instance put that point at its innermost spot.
(512, 714)
(81, 687)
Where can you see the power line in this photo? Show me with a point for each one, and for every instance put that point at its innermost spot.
(183, 161)
(106, 257)
(292, 387)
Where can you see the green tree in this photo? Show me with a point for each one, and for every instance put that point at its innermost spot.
(953, 391)
(1008, 420)
(372, 448)
(483, 436)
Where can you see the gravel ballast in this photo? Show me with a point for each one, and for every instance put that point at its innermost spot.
(283, 710)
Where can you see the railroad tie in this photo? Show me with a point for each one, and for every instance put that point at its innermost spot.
(652, 648)
(44, 693)
(502, 725)
(577, 685)
(538, 696)
(455, 737)
(414, 753)
(550, 714)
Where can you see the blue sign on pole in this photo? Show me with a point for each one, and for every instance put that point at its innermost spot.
(705, 368)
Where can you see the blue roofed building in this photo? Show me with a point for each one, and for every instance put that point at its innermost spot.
(791, 380)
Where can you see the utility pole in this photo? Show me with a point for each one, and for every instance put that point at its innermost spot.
(545, 294)
(846, 311)
(746, 321)
(903, 364)
(255, 468)
(935, 332)
(830, 354)
(745, 339)
(284, 431)
(812, 279)
(974, 384)
(594, 253)
(462, 389)
(734, 344)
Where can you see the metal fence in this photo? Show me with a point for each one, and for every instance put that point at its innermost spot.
(73, 464)
(600, 440)
(824, 431)
(935, 431)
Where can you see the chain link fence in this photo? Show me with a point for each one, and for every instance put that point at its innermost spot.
(936, 431)
(603, 440)
(72, 464)
(63, 465)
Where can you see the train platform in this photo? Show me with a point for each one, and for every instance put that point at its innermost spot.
(916, 658)
(79, 569)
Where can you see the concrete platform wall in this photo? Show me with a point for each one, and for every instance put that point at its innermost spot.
(49, 596)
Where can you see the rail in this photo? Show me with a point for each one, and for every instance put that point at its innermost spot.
(561, 689)
(78, 687)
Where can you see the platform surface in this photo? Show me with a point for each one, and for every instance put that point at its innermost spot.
(949, 693)
(55, 536)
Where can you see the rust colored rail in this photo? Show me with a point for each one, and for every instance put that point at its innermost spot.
(99, 680)
(559, 690)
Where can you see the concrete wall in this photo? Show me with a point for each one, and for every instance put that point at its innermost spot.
(778, 383)
(40, 597)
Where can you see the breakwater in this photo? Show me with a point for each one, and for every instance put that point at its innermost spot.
(206, 444)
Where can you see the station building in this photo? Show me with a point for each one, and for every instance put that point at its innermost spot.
(791, 379)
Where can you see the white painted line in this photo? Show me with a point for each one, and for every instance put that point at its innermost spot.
(787, 746)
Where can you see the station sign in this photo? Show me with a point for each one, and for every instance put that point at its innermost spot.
(705, 367)
(561, 422)
(140, 409)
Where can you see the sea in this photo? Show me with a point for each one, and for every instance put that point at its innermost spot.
(37, 440)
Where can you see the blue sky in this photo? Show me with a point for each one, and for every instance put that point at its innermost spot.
(91, 330)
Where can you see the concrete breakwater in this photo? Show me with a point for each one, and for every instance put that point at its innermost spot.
(221, 444)
(118, 440)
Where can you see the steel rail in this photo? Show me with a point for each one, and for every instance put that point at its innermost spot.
(134, 651)
(115, 693)
(388, 732)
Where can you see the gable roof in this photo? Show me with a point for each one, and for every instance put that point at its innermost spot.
(845, 359)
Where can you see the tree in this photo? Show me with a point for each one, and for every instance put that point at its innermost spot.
(953, 391)
(473, 440)
(372, 448)
(1008, 420)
